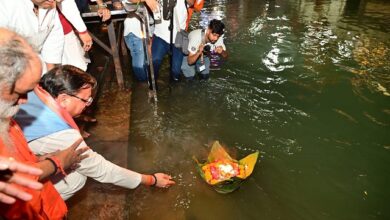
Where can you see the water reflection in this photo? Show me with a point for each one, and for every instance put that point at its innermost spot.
(217, 11)
(307, 84)
(372, 73)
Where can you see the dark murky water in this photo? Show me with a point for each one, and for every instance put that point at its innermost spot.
(307, 84)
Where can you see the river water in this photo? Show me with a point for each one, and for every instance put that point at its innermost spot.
(307, 83)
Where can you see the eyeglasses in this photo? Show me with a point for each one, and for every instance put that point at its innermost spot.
(87, 102)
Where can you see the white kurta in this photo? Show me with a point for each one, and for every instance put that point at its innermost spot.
(74, 53)
(133, 25)
(44, 30)
(72, 14)
(94, 166)
(180, 13)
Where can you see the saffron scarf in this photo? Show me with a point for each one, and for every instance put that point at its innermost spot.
(49, 101)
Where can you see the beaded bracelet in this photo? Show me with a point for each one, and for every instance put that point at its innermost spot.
(155, 180)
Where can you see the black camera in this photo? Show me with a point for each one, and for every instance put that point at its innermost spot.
(206, 49)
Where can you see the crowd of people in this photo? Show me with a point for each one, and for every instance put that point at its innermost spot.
(44, 159)
(202, 43)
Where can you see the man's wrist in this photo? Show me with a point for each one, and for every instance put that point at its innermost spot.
(55, 167)
(154, 180)
(83, 32)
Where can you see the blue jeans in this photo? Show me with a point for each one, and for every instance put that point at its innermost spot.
(82, 5)
(190, 70)
(137, 51)
(159, 49)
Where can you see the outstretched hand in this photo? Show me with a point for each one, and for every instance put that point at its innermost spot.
(163, 180)
(70, 156)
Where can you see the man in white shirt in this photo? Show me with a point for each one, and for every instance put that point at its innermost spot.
(47, 123)
(76, 30)
(162, 39)
(38, 21)
(134, 36)
(201, 44)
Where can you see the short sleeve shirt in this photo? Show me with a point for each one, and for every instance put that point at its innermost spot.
(196, 37)
(180, 17)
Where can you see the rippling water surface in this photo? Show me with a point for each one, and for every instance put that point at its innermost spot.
(307, 83)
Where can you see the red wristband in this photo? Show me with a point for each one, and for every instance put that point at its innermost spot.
(58, 163)
(83, 32)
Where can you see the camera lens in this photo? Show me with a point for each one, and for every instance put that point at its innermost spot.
(206, 49)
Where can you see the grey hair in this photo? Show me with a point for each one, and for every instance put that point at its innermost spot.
(14, 59)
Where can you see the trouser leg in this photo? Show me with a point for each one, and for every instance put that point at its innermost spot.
(177, 60)
(135, 45)
(159, 49)
(204, 74)
(188, 70)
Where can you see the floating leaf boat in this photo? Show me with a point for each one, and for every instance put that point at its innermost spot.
(224, 173)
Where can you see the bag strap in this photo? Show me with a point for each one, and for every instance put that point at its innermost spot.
(202, 35)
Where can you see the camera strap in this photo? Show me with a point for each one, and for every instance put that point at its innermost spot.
(203, 41)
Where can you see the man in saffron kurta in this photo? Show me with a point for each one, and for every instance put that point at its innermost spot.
(45, 204)
(20, 70)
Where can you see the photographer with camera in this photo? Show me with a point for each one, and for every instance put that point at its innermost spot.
(165, 32)
(201, 44)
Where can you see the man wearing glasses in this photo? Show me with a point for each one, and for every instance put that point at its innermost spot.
(47, 117)
(48, 125)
